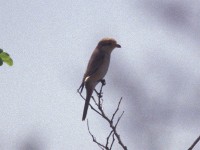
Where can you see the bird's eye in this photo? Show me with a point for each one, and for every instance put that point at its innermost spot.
(108, 44)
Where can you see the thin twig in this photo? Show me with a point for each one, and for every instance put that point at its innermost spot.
(113, 126)
(94, 101)
(117, 135)
(116, 109)
(119, 119)
(107, 142)
(112, 141)
(195, 142)
(93, 138)
(90, 104)
(110, 121)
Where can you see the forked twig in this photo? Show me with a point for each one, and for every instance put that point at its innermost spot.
(99, 110)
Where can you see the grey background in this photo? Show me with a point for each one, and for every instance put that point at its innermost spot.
(157, 72)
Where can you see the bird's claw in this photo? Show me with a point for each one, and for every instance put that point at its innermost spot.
(103, 82)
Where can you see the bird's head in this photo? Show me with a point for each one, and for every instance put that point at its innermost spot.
(108, 44)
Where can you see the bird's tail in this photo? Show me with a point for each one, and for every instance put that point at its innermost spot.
(87, 101)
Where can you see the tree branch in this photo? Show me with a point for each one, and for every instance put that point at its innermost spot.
(195, 142)
(99, 110)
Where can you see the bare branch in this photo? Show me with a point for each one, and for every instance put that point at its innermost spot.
(99, 110)
(119, 119)
(113, 140)
(93, 138)
(195, 142)
(116, 109)
(107, 142)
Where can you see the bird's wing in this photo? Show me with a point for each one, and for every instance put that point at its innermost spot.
(95, 62)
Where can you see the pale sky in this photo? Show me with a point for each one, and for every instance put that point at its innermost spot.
(157, 72)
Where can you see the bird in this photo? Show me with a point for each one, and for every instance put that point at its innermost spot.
(97, 68)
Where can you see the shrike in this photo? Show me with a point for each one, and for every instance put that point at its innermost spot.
(97, 68)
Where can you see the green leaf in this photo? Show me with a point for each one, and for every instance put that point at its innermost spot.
(4, 56)
(9, 61)
(1, 62)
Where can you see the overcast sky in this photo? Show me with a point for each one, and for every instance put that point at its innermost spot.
(157, 72)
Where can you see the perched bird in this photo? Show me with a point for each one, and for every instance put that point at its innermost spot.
(97, 68)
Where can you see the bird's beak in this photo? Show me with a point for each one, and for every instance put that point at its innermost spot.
(118, 46)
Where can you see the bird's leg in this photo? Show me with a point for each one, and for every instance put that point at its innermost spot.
(80, 89)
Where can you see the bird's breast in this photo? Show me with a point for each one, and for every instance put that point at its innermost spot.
(103, 68)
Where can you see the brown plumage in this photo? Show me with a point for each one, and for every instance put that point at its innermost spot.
(97, 68)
